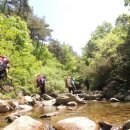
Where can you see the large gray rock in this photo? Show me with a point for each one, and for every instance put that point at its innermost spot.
(75, 123)
(64, 99)
(26, 123)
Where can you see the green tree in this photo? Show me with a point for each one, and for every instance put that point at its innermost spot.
(38, 28)
(101, 54)
(20, 8)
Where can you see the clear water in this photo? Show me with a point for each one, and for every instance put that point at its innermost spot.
(114, 113)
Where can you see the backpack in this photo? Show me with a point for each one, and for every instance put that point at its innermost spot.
(40, 80)
(3, 62)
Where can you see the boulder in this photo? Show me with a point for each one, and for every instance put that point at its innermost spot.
(49, 102)
(46, 97)
(64, 99)
(5, 107)
(113, 100)
(75, 123)
(126, 125)
(26, 123)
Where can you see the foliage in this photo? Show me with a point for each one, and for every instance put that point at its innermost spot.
(65, 55)
(20, 8)
(38, 28)
(103, 54)
(15, 43)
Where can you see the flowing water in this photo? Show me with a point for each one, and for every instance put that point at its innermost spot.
(114, 113)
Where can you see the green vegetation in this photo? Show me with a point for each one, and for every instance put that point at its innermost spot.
(23, 40)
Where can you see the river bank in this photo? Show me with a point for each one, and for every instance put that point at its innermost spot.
(113, 112)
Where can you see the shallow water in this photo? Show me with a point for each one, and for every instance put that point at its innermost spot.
(114, 113)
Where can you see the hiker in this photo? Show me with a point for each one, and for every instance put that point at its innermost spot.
(4, 66)
(87, 84)
(70, 84)
(40, 82)
(78, 83)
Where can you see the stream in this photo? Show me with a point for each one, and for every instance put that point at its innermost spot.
(114, 113)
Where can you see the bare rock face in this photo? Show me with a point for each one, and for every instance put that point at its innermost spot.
(75, 123)
(26, 123)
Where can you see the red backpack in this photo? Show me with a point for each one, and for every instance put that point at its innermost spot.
(4, 59)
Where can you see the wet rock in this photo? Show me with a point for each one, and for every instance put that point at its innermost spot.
(72, 104)
(61, 107)
(104, 125)
(12, 117)
(23, 110)
(46, 97)
(26, 123)
(113, 100)
(5, 107)
(50, 115)
(126, 125)
(62, 100)
(75, 123)
(71, 108)
(49, 102)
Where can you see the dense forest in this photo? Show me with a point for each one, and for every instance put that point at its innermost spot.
(26, 40)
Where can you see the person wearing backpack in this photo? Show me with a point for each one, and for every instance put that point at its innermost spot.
(69, 83)
(4, 65)
(40, 83)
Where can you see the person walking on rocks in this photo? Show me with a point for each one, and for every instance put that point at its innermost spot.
(69, 83)
(40, 82)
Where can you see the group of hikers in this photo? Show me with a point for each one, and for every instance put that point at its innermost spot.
(72, 86)
(40, 79)
(69, 84)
